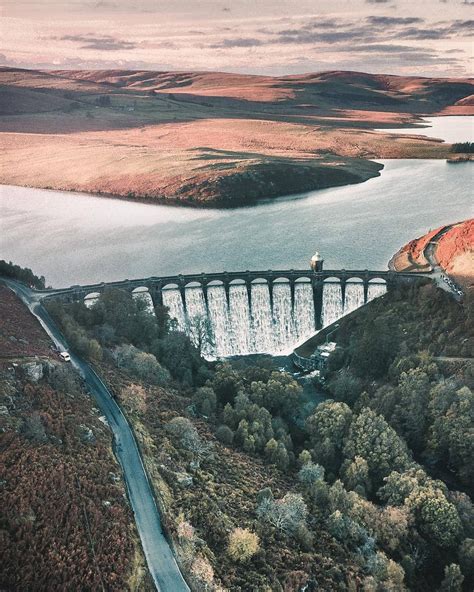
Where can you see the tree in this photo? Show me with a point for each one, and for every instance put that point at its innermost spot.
(345, 387)
(310, 473)
(466, 560)
(392, 527)
(285, 514)
(453, 579)
(243, 544)
(398, 486)
(200, 331)
(280, 395)
(411, 412)
(355, 474)
(435, 516)
(376, 349)
(183, 431)
(205, 400)
(304, 457)
(24, 274)
(451, 436)
(226, 383)
(178, 354)
(327, 429)
(141, 364)
(225, 435)
(202, 570)
(371, 438)
(271, 448)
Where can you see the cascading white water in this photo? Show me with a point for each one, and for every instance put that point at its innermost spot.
(354, 296)
(198, 323)
(303, 313)
(240, 321)
(172, 299)
(145, 297)
(283, 324)
(220, 325)
(332, 303)
(375, 290)
(263, 337)
(228, 329)
(89, 301)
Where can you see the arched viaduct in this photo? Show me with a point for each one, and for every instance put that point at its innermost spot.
(317, 279)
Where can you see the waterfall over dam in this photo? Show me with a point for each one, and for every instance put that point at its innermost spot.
(240, 325)
(239, 313)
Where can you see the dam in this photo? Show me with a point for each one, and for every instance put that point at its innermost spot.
(239, 313)
(262, 324)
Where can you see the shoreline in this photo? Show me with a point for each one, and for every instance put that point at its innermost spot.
(351, 178)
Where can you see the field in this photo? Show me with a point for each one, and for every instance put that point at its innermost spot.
(211, 139)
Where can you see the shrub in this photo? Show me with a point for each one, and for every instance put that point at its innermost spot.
(243, 544)
(225, 435)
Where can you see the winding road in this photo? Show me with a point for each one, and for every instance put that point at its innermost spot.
(437, 271)
(159, 556)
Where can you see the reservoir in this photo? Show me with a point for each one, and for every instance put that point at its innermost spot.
(77, 239)
(451, 128)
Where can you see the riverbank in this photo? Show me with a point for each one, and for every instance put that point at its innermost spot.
(226, 141)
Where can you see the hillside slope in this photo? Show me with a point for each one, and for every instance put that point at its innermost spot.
(211, 138)
(65, 520)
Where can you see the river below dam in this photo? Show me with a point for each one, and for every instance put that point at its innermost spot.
(74, 238)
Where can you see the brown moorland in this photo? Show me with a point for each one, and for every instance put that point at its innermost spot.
(65, 520)
(211, 138)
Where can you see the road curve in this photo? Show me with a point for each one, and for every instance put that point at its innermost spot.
(159, 556)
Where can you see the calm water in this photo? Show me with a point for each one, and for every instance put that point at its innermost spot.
(450, 129)
(76, 238)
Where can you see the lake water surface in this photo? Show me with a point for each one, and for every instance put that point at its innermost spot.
(448, 128)
(77, 238)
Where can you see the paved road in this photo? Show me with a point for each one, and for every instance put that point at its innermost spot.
(161, 562)
(438, 271)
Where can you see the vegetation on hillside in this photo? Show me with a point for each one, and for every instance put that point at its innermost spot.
(23, 274)
(66, 524)
(368, 492)
(463, 147)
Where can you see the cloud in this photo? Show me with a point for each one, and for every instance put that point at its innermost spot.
(238, 42)
(394, 20)
(101, 43)
(338, 34)
(462, 25)
(413, 33)
(103, 4)
(387, 48)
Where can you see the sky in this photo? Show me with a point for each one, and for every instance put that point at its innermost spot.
(274, 37)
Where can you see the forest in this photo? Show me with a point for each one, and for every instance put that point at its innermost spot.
(370, 491)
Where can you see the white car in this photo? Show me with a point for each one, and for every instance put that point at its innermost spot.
(65, 356)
